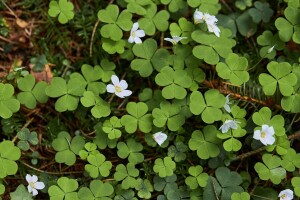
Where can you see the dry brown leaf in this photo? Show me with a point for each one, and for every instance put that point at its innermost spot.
(21, 23)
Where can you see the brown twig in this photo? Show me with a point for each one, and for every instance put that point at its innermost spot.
(92, 38)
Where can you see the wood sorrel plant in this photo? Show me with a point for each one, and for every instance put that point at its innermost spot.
(195, 99)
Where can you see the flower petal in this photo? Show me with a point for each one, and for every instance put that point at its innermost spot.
(34, 178)
(115, 80)
(123, 84)
(34, 192)
(110, 88)
(140, 33)
(28, 178)
(257, 135)
(130, 39)
(137, 40)
(160, 137)
(29, 188)
(126, 93)
(39, 185)
(270, 140)
(135, 26)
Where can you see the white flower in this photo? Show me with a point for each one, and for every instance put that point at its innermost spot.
(227, 103)
(213, 28)
(286, 194)
(174, 39)
(210, 19)
(198, 17)
(33, 185)
(118, 87)
(266, 135)
(136, 34)
(159, 137)
(229, 123)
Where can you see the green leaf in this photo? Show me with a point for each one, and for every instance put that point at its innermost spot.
(174, 5)
(206, 142)
(178, 151)
(164, 167)
(235, 69)
(63, 9)
(130, 150)
(26, 137)
(211, 47)
(291, 160)
(39, 62)
(98, 165)
(9, 153)
(65, 189)
(67, 148)
(8, 103)
(127, 174)
(246, 25)
(240, 196)
(21, 193)
(115, 22)
(267, 40)
(111, 128)
(281, 75)
(296, 184)
(144, 188)
(197, 178)
(97, 190)
(209, 6)
(92, 75)
(137, 118)
(112, 47)
(175, 82)
(243, 4)
(270, 169)
(184, 28)
(291, 103)
(261, 12)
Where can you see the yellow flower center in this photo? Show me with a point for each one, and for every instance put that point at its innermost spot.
(32, 184)
(283, 196)
(118, 89)
(133, 34)
(263, 134)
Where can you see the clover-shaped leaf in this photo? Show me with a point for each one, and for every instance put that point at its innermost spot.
(65, 189)
(39, 62)
(115, 22)
(31, 92)
(164, 167)
(178, 151)
(21, 193)
(67, 148)
(107, 70)
(90, 148)
(64, 10)
(137, 6)
(97, 190)
(290, 160)
(210, 108)
(2, 188)
(281, 145)
(98, 165)
(111, 128)
(240, 196)
(245, 24)
(174, 83)
(112, 47)
(281, 75)
(206, 142)
(261, 12)
(100, 107)
(174, 5)
(226, 184)
(9, 153)
(243, 4)
(144, 188)
(168, 114)
(197, 178)
(68, 93)
(165, 184)
(127, 174)
(8, 104)
(291, 103)
(124, 194)
(137, 118)
(209, 6)
(153, 20)
(102, 141)
(268, 40)
(131, 150)
(263, 116)
(149, 57)
(289, 28)
(26, 137)
(296, 184)
(151, 98)
(183, 57)
(184, 28)
(211, 47)
(270, 169)
(235, 69)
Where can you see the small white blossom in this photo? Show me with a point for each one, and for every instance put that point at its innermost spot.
(33, 185)
(118, 87)
(213, 28)
(286, 194)
(227, 103)
(136, 34)
(174, 39)
(198, 17)
(160, 137)
(266, 135)
(229, 123)
(210, 19)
